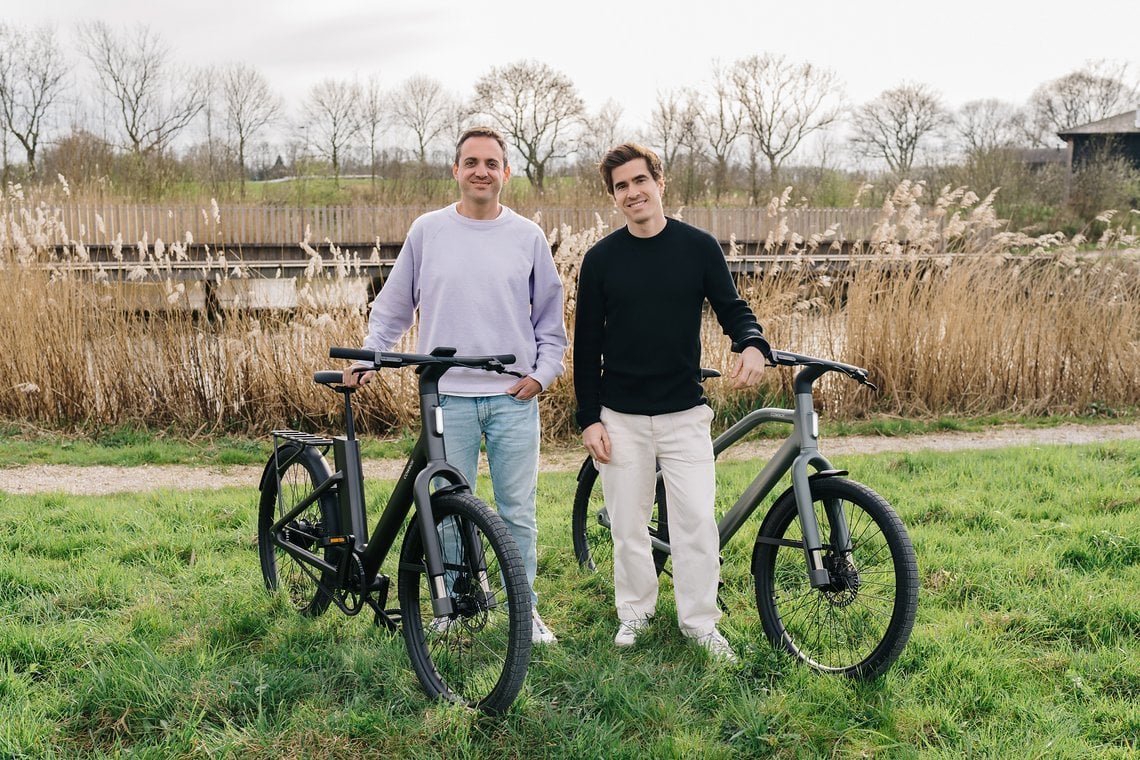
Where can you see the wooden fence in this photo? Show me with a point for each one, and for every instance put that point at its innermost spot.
(262, 225)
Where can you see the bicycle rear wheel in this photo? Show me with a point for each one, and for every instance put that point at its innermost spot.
(858, 625)
(479, 655)
(306, 469)
(589, 526)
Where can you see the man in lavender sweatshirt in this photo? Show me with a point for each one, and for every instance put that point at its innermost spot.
(484, 282)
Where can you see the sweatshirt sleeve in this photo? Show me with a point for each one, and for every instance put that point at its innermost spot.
(547, 316)
(589, 325)
(732, 311)
(394, 308)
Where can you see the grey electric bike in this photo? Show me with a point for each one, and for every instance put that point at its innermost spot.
(835, 573)
(464, 601)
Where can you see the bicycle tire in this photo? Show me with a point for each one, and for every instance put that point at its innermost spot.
(479, 656)
(858, 626)
(280, 569)
(593, 547)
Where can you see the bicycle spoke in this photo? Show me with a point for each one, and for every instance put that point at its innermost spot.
(854, 624)
(472, 656)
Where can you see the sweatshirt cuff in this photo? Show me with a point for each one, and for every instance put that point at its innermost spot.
(587, 417)
(756, 341)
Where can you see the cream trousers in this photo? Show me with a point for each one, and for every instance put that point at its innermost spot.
(680, 444)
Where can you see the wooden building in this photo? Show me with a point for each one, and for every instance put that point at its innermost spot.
(1120, 134)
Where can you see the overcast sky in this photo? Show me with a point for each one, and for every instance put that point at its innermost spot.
(967, 49)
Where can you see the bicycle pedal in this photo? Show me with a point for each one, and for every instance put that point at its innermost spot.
(379, 583)
(387, 619)
(328, 541)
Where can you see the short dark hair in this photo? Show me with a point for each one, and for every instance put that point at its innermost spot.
(625, 153)
(491, 132)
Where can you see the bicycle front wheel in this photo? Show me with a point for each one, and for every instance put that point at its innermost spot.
(589, 524)
(479, 655)
(857, 625)
(305, 469)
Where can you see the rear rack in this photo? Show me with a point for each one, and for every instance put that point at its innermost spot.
(305, 439)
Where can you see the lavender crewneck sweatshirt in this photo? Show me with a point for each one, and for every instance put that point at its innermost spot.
(482, 287)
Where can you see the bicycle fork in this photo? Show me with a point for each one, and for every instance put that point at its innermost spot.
(808, 423)
(436, 466)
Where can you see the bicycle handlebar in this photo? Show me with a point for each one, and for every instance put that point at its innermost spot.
(818, 367)
(441, 356)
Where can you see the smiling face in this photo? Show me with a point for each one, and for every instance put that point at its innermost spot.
(481, 169)
(638, 196)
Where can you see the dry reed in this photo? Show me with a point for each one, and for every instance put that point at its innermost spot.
(953, 314)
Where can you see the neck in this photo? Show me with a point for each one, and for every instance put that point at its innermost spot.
(480, 211)
(648, 228)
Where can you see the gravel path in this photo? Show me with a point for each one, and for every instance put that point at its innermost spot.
(101, 479)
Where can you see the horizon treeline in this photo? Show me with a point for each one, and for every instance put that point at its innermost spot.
(118, 116)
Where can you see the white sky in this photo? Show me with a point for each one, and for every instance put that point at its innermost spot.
(966, 49)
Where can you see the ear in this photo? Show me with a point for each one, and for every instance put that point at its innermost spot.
(455, 171)
(506, 173)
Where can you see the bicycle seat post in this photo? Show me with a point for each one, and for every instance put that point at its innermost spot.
(349, 429)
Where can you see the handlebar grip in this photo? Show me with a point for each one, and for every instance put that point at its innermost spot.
(328, 377)
(359, 354)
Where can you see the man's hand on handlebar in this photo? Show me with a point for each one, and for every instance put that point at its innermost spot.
(356, 376)
(749, 368)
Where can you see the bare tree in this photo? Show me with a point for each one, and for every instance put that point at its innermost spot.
(155, 100)
(1095, 92)
(536, 107)
(785, 102)
(32, 73)
(894, 125)
(423, 107)
(673, 124)
(332, 111)
(720, 124)
(373, 115)
(604, 133)
(249, 105)
(990, 124)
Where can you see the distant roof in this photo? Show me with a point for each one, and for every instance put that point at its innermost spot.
(1042, 156)
(1121, 124)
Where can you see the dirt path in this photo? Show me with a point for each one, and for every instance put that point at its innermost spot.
(105, 479)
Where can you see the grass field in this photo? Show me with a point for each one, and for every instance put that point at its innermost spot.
(137, 626)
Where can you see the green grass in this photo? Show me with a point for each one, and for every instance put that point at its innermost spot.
(137, 626)
(20, 444)
(130, 446)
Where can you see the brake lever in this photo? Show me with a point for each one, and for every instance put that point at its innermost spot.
(498, 366)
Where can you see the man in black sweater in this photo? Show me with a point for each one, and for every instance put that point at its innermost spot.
(637, 350)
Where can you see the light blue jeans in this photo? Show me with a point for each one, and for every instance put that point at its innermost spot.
(510, 428)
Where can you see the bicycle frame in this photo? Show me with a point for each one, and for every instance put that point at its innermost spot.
(427, 462)
(798, 452)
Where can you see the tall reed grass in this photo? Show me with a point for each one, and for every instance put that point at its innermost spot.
(951, 312)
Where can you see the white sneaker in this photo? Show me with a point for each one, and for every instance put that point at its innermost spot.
(539, 633)
(717, 646)
(628, 630)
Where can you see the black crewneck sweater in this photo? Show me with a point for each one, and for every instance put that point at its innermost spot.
(637, 346)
